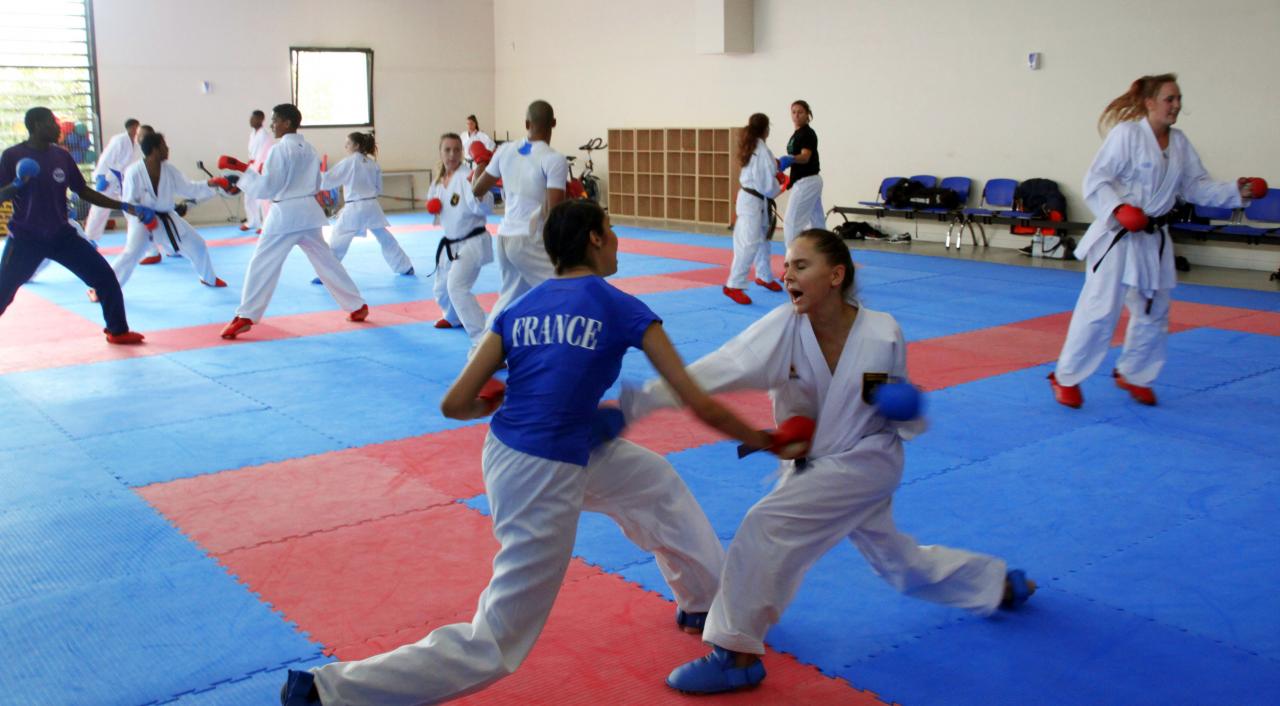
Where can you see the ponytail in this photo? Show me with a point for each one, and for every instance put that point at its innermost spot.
(365, 143)
(1131, 105)
(757, 124)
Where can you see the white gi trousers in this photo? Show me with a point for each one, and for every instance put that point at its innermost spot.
(804, 208)
(1093, 322)
(751, 242)
(268, 259)
(190, 244)
(253, 212)
(397, 260)
(535, 504)
(454, 280)
(96, 222)
(524, 264)
(846, 495)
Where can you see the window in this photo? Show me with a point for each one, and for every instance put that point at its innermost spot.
(333, 87)
(46, 58)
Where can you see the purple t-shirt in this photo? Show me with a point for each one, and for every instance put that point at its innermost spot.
(40, 208)
(564, 341)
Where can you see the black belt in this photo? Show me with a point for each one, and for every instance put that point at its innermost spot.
(1154, 223)
(170, 228)
(773, 211)
(447, 243)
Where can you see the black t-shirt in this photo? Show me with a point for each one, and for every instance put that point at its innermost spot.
(804, 138)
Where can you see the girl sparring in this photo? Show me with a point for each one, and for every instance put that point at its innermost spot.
(821, 356)
(753, 229)
(465, 246)
(1143, 167)
(360, 177)
(550, 454)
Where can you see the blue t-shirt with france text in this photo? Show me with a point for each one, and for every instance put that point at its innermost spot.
(564, 341)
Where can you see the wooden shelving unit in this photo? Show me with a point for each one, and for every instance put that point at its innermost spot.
(678, 174)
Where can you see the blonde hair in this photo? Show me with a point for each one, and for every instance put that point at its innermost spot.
(1131, 105)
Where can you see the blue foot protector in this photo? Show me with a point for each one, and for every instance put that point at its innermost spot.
(316, 281)
(1017, 590)
(714, 674)
(299, 689)
(690, 622)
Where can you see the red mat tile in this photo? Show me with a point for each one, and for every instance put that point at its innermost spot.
(672, 430)
(346, 586)
(249, 506)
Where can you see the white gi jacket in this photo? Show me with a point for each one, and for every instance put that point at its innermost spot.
(290, 178)
(360, 177)
(1130, 168)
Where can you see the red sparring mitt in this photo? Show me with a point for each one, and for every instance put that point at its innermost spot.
(792, 437)
(784, 181)
(1257, 185)
(479, 153)
(492, 393)
(434, 206)
(229, 162)
(1131, 218)
(225, 184)
(575, 190)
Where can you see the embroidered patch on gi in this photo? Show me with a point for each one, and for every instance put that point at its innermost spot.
(870, 381)
(454, 201)
(59, 175)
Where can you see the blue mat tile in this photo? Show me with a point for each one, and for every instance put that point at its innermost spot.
(22, 424)
(1231, 423)
(141, 638)
(1213, 579)
(34, 475)
(256, 689)
(102, 398)
(1056, 505)
(184, 449)
(1062, 649)
(82, 541)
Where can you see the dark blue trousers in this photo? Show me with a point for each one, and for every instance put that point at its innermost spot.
(22, 254)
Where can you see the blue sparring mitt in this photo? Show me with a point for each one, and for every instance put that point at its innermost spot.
(785, 162)
(26, 170)
(899, 401)
(607, 424)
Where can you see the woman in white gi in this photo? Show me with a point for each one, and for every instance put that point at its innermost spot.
(820, 356)
(290, 178)
(1143, 167)
(752, 231)
(550, 454)
(157, 184)
(804, 204)
(466, 246)
(361, 180)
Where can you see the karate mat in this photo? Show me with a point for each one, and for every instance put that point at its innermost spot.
(186, 520)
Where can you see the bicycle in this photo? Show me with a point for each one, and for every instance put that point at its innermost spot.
(586, 186)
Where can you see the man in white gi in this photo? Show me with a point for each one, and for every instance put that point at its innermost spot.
(260, 142)
(534, 177)
(290, 178)
(122, 150)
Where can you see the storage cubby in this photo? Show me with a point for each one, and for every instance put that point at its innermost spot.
(683, 174)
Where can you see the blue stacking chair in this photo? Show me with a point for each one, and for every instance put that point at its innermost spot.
(1210, 213)
(1263, 210)
(928, 181)
(884, 189)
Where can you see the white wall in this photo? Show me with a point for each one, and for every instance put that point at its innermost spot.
(433, 64)
(932, 86)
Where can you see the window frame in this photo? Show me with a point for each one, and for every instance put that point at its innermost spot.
(293, 82)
